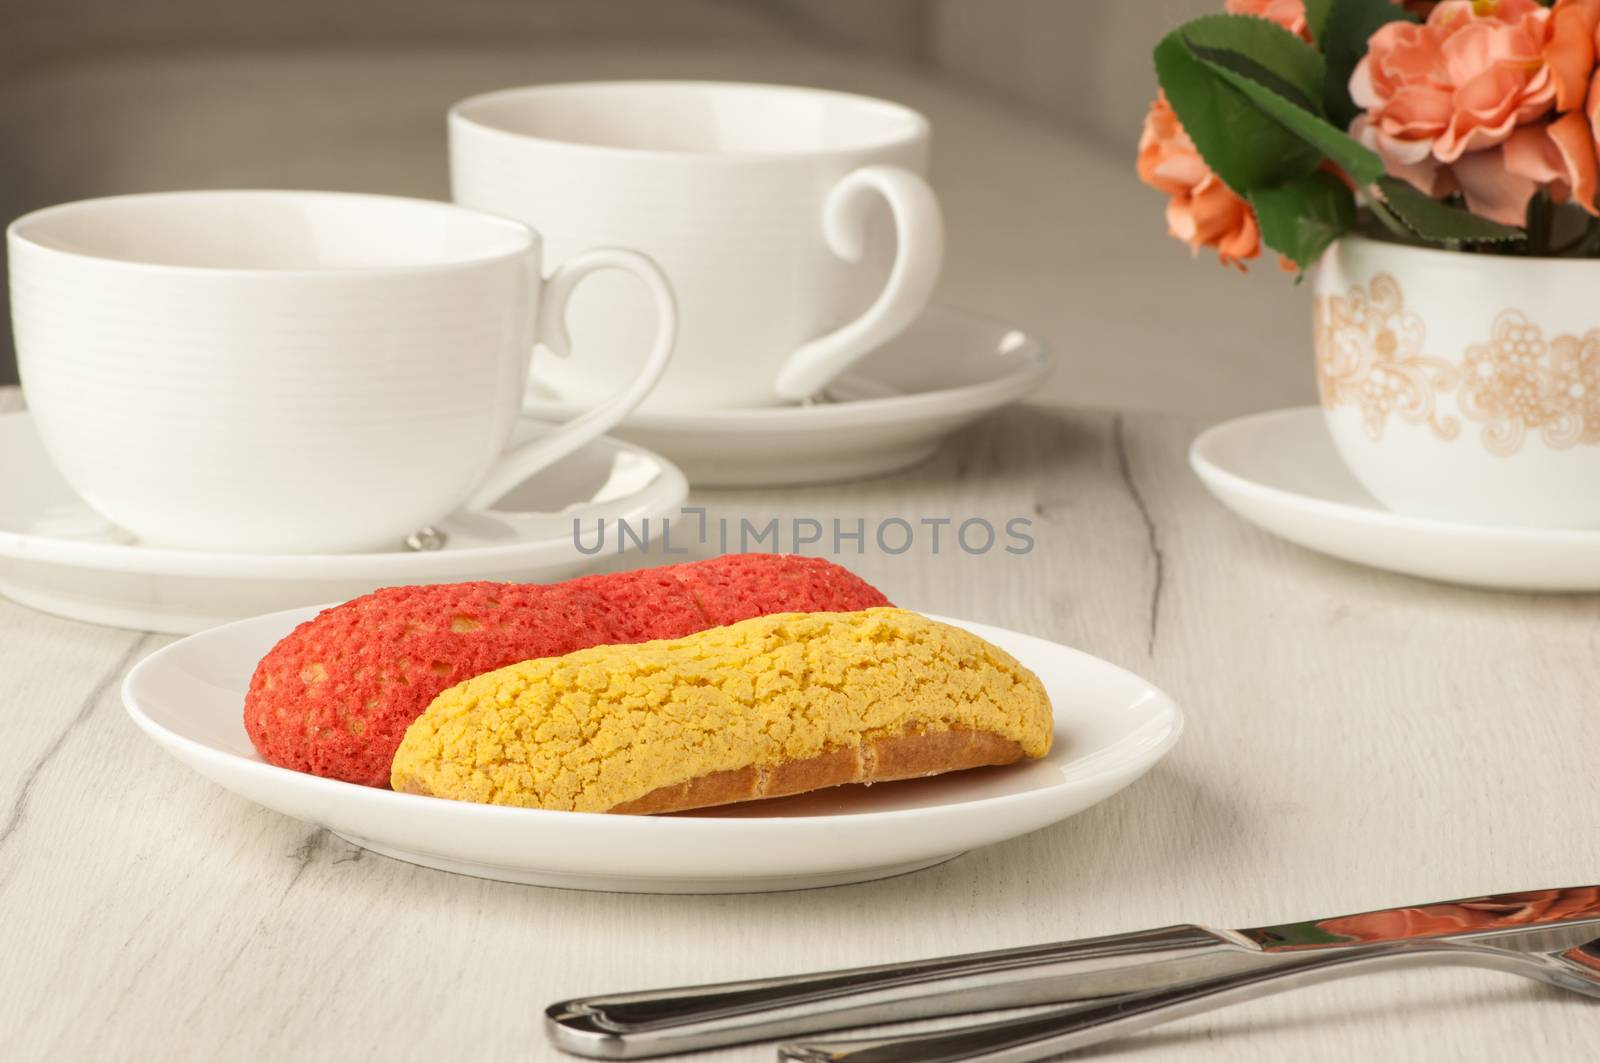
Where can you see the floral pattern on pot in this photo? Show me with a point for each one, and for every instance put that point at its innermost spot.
(1369, 351)
(1369, 354)
(1520, 382)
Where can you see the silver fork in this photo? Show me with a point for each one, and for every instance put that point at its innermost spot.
(1048, 1034)
(660, 1022)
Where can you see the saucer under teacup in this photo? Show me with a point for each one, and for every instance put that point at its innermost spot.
(59, 556)
(1280, 471)
(889, 412)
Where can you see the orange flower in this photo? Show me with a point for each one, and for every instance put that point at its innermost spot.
(1461, 81)
(1583, 15)
(1570, 51)
(1476, 99)
(1290, 14)
(1203, 211)
(1560, 154)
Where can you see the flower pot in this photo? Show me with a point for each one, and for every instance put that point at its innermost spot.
(1461, 386)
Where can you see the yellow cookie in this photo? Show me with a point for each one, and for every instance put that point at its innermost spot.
(765, 707)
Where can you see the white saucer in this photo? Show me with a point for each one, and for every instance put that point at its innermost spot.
(1111, 727)
(59, 556)
(1280, 471)
(944, 372)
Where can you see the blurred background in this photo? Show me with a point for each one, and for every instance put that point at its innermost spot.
(1036, 107)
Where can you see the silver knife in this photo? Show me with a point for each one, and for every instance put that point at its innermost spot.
(1047, 1035)
(661, 1022)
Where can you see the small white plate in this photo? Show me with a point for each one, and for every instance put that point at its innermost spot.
(1280, 471)
(945, 371)
(59, 556)
(1111, 727)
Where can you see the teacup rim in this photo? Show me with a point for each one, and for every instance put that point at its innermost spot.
(1473, 259)
(919, 128)
(529, 239)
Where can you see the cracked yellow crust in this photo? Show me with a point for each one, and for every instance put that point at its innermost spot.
(766, 706)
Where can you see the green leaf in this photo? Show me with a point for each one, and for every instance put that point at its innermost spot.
(1360, 162)
(1300, 218)
(1348, 26)
(1247, 148)
(1386, 217)
(1265, 43)
(1440, 222)
(1222, 60)
(1317, 17)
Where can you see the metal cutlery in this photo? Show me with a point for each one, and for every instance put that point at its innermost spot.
(1049, 1034)
(659, 1022)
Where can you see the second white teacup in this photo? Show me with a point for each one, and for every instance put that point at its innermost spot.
(294, 371)
(761, 203)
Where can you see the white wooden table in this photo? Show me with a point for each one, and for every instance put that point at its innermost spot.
(1356, 739)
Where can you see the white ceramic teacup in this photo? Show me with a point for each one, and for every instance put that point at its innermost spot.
(759, 201)
(1463, 387)
(294, 372)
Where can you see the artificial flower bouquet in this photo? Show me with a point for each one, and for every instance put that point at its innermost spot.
(1464, 124)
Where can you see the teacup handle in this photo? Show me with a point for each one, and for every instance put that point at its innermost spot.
(521, 462)
(919, 228)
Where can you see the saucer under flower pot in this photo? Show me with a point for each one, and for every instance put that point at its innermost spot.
(1463, 386)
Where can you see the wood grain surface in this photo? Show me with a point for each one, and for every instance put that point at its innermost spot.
(1356, 740)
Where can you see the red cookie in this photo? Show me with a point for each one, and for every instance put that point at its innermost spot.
(335, 697)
